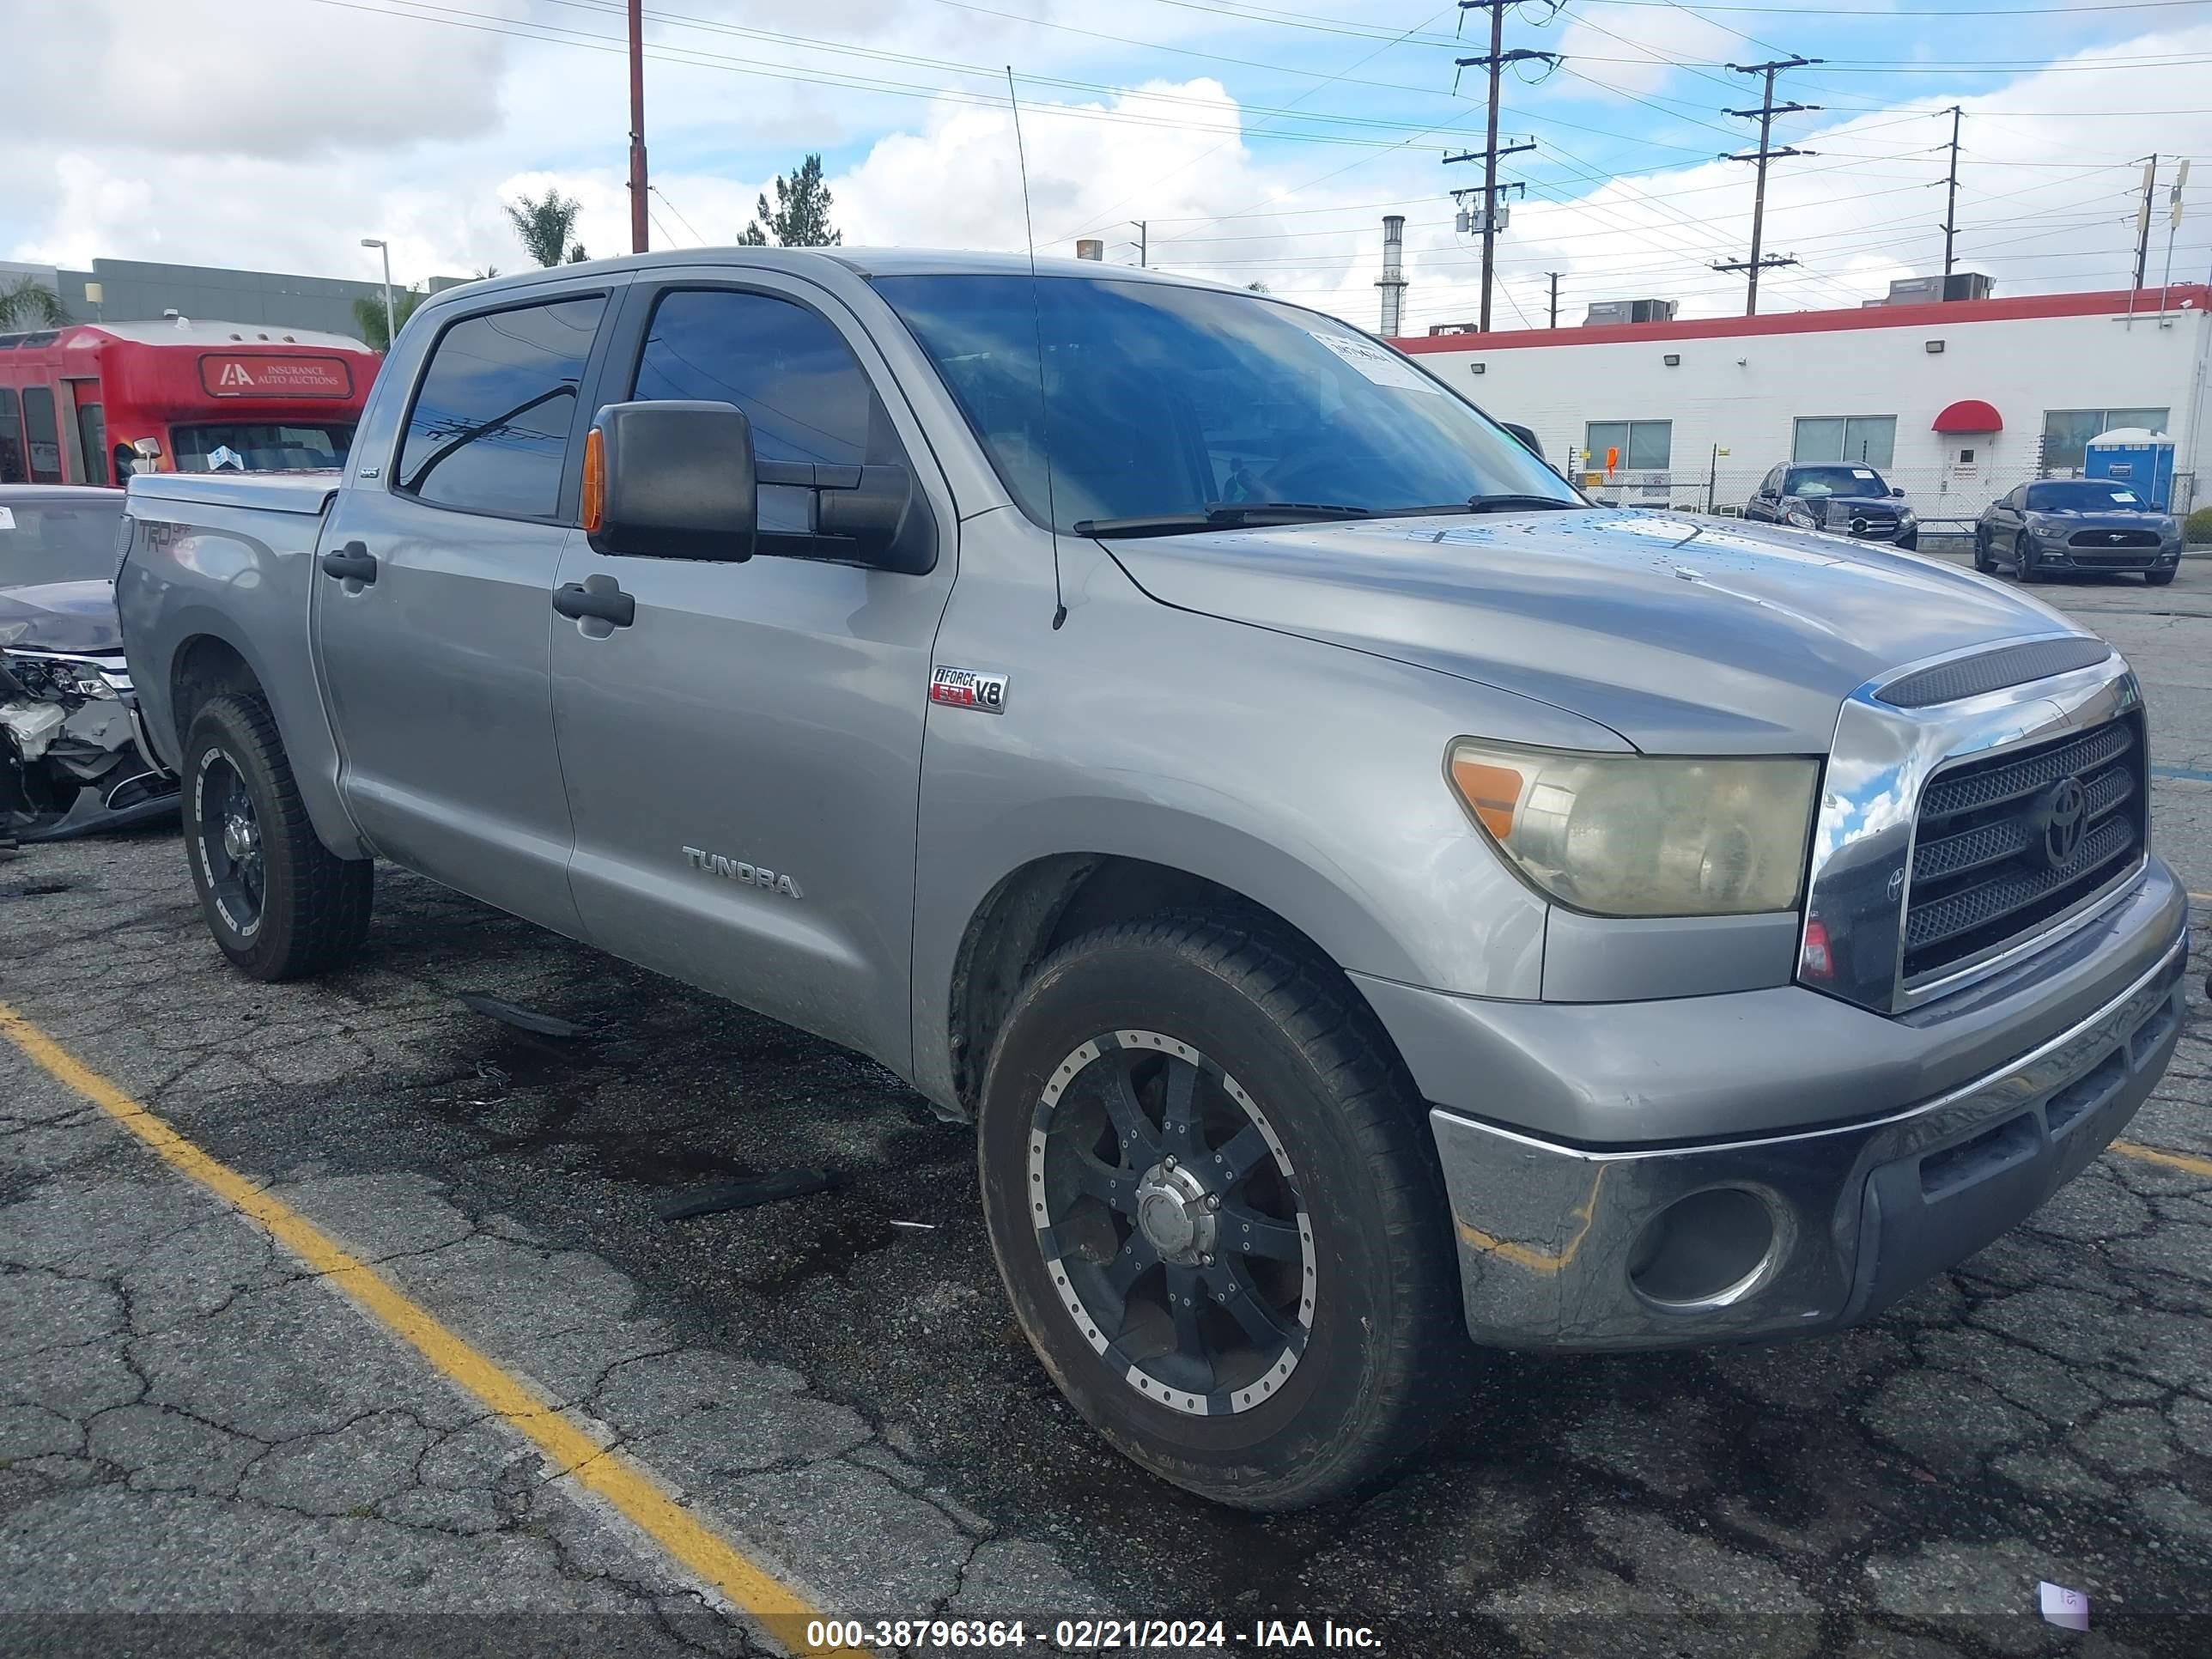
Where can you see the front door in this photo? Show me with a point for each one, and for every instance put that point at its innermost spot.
(432, 610)
(743, 759)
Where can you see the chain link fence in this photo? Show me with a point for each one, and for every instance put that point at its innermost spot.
(1947, 499)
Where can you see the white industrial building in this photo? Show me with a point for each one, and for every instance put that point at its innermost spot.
(1955, 401)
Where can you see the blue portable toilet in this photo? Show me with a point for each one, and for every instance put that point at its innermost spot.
(2131, 455)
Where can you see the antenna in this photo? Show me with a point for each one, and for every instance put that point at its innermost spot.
(1036, 317)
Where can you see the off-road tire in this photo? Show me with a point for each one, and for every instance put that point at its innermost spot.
(314, 908)
(1386, 1348)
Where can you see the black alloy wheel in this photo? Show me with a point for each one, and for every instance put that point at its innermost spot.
(1170, 1217)
(228, 832)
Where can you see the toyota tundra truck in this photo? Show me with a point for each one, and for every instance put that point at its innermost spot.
(1365, 895)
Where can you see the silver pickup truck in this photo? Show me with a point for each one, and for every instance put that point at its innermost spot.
(1364, 894)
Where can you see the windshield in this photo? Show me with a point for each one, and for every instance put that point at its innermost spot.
(1163, 400)
(1811, 483)
(2084, 496)
(261, 447)
(70, 543)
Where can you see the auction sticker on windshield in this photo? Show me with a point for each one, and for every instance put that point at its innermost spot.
(1375, 363)
(7, 517)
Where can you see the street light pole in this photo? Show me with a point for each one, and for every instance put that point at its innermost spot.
(390, 330)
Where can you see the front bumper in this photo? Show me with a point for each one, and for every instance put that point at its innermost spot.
(2094, 560)
(1789, 1234)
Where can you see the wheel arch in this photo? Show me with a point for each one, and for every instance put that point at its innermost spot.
(213, 660)
(1034, 909)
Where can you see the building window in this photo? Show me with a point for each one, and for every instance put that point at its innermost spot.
(2067, 432)
(1636, 446)
(1834, 440)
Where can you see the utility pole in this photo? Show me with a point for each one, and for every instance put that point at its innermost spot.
(1767, 110)
(1495, 64)
(1951, 210)
(639, 241)
(1555, 276)
(2142, 217)
(1143, 233)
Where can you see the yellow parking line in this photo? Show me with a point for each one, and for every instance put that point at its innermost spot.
(2172, 1160)
(633, 1489)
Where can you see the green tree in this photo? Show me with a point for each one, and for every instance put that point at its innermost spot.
(31, 304)
(547, 228)
(368, 314)
(1259, 287)
(800, 217)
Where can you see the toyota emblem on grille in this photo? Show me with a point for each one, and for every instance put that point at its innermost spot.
(2059, 818)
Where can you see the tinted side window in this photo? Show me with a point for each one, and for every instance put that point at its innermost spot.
(490, 430)
(44, 443)
(11, 439)
(791, 372)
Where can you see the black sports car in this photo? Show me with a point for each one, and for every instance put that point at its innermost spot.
(2093, 525)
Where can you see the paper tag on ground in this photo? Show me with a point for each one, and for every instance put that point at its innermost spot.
(1376, 364)
(2068, 1609)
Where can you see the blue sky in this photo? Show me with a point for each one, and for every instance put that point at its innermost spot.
(1259, 143)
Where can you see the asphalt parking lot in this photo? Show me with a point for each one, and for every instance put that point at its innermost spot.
(197, 1421)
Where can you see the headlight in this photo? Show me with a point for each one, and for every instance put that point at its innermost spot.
(1801, 515)
(1644, 835)
(1905, 515)
(2049, 532)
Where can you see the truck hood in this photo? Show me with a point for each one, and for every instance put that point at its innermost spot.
(1685, 636)
(78, 617)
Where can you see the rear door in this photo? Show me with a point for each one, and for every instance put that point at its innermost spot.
(744, 759)
(432, 607)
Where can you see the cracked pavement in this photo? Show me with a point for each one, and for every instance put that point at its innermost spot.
(191, 1427)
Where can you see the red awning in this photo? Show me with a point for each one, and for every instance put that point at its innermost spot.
(1970, 415)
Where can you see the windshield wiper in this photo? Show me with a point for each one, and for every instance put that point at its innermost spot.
(1516, 503)
(1221, 515)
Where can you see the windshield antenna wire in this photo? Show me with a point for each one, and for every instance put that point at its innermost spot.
(1036, 317)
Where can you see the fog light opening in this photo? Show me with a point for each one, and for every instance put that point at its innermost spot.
(1706, 1249)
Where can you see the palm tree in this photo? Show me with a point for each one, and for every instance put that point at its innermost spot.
(547, 228)
(31, 304)
(369, 315)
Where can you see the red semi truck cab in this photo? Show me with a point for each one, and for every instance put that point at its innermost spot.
(78, 405)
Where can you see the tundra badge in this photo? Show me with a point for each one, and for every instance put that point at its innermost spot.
(752, 875)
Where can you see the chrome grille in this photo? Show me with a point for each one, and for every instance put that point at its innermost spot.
(1982, 871)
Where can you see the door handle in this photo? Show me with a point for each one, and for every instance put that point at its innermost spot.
(353, 561)
(609, 604)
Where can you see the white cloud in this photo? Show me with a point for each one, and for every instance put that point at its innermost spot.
(1635, 48)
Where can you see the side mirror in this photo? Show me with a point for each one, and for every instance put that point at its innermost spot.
(1528, 439)
(671, 480)
(1898, 491)
(147, 449)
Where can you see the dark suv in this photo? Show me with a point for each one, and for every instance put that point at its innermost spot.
(1847, 500)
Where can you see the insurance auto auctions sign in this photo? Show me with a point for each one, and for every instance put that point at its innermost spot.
(263, 375)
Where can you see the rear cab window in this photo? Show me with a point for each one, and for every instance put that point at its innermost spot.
(490, 428)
